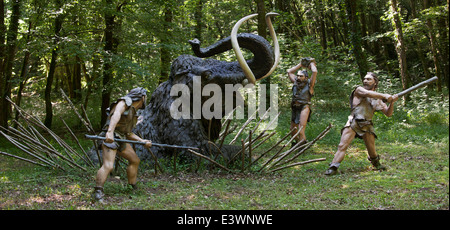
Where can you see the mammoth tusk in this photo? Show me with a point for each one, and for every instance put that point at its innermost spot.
(275, 43)
(247, 71)
(237, 50)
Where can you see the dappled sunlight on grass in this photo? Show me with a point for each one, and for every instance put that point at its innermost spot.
(4, 179)
(413, 145)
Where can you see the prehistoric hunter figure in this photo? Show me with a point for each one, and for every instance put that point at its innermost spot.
(302, 91)
(364, 102)
(121, 120)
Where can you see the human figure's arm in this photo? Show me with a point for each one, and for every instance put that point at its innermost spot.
(118, 110)
(313, 68)
(362, 92)
(390, 110)
(134, 137)
(292, 72)
(387, 110)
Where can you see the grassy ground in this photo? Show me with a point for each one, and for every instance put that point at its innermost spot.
(416, 154)
(413, 144)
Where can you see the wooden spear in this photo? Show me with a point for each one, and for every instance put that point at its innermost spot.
(259, 122)
(282, 147)
(283, 155)
(209, 159)
(156, 161)
(26, 150)
(320, 136)
(243, 127)
(78, 143)
(250, 147)
(28, 139)
(86, 124)
(260, 136)
(296, 164)
(243, 155)
(23, 159)
(256, 146)
(64, 145)
(224, 134)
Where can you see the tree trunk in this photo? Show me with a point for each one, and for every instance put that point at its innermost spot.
(89, 79)
(355, 37)
(262, 31)
(51, 72)
(374, 25)
(431, 34)
(24, 71)
(67, 81)
(2, 45)
(5, 90)
(419, 50)
(282, 6)
(262, 27)
(332, 30)
(444, 48)
(344, 22)
(198, 15)
(112, 30)
(76, 79)
(362, 17)
(107, 66)
(400, 46)
(323, 34)
(165, 40)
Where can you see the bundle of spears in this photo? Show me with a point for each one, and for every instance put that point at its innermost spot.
(41, 152)
(27, 138)
(278, 161)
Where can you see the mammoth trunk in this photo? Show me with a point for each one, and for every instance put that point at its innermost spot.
(231, 72)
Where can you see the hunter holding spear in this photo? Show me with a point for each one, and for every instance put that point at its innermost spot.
(121, 120)
(364, 102)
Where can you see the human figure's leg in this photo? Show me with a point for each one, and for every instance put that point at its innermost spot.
(304, 115)
(369, 140)
(295, 117)
(294, 128)
(133, 163)
(346, 138)
(108, 164)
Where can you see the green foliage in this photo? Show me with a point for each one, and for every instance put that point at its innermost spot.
(143, 30)
(413, 142)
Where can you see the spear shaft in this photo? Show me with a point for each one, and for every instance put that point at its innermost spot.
(94, 137)
(421, 84)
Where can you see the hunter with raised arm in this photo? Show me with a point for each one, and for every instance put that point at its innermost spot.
(302, 92)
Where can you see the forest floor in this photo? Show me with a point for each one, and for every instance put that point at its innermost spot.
(413, 144)
(417, 178)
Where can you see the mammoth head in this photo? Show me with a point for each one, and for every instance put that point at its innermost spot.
(190, 70)
(264, 61)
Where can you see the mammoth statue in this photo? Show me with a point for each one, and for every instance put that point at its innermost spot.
(155, 121)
